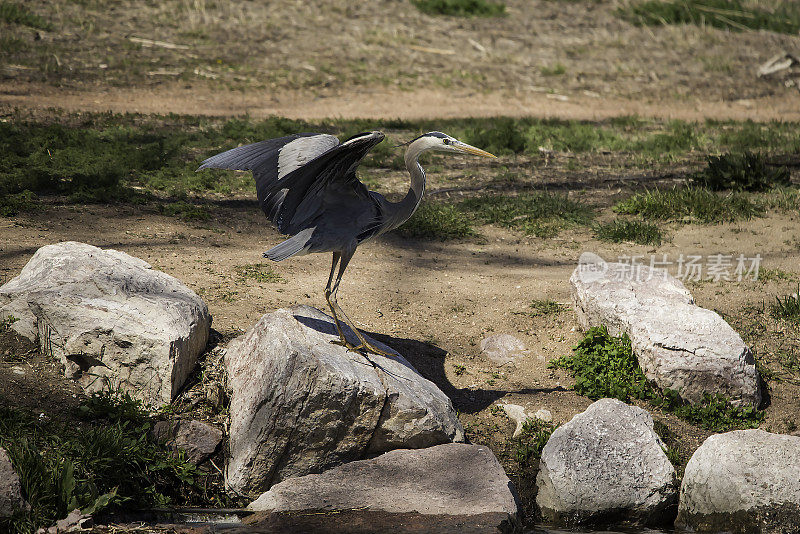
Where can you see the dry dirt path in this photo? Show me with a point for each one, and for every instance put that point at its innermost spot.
(381, 103)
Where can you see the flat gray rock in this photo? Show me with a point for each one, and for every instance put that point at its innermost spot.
(679, 345)
(300, 405)
(197, 439)
(606, 466)
(110, 318)
(743, 482)
(454, 479)
(10, 487)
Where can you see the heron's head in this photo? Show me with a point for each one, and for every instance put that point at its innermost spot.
(441, 142)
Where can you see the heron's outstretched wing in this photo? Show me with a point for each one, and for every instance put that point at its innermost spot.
(297, 174)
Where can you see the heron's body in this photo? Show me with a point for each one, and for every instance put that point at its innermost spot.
(307, 186)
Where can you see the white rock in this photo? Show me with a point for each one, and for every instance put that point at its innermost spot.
(679, 345)
(300, 404)
(606, 465)
(503, 348)
(543, 414)
(10, 487)
(452, 479)
(516, 413)
(746, 481)
(110, 318)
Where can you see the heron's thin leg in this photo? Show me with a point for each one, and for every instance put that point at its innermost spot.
(336, 257)
(365, 345)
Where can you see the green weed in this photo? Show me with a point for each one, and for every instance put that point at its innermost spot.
(539, 214)
(605, 366)
(546, 307)
(787, 308)
(260, 272)
(107, 462)
(620, 231)
(556, 70)
(690, 204)
(741, 172)
(437, 221)
(459, 369)
(14, 13)
(733, 15)
(185, 211)
(461, 8)
(528, 445)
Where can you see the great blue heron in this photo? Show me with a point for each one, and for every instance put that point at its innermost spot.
(307, 186)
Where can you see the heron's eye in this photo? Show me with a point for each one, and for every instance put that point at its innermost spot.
(446, 141)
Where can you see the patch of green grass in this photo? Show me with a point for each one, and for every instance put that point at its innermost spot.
(434, 220)
(13, 203)
(546, 307)
(459, 369)
(14, 13)
(540, 214)
(107, 462)
(11, 45)
(461, 8)
(690, 204)
(776, 275)
(733, 15)
(528, 445)
(787, 308)
(605, 366)
(741, 172)
(185, 211)
(6, 322)
(620, 231)
(783, 199)
(260, 272)
(556, 70)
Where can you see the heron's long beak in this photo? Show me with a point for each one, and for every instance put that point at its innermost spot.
(469, 149)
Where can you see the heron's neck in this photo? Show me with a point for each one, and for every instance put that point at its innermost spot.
(404, 209)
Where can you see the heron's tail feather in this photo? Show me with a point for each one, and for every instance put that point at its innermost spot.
(290, 247)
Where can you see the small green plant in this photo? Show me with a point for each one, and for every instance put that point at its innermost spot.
(6, 322)
(539, 214)
(461, 8)
(556, 70)
(14, 13)
(459, 369)
(605, 366)
(529, 443)
(787, 307)
(690, 204)
(185, 211)
(733, 15)
(260, 272)
(434, 220)
(546, 307)
(620, 231)
(741, 172)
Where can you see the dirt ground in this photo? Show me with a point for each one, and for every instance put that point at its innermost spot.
(434, 302)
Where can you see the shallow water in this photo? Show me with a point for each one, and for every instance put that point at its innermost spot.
(544, 530)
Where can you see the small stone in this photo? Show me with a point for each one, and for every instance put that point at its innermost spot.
(544, 415)
(10, 487)
(197, 439)
(516, 413)
(503, 349)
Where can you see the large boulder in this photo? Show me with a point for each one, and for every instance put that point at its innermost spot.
(110, 318)
(679, 345)
(300, 404)
(10, 488)
(455, 479)
(605, 466)
(743, 482)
